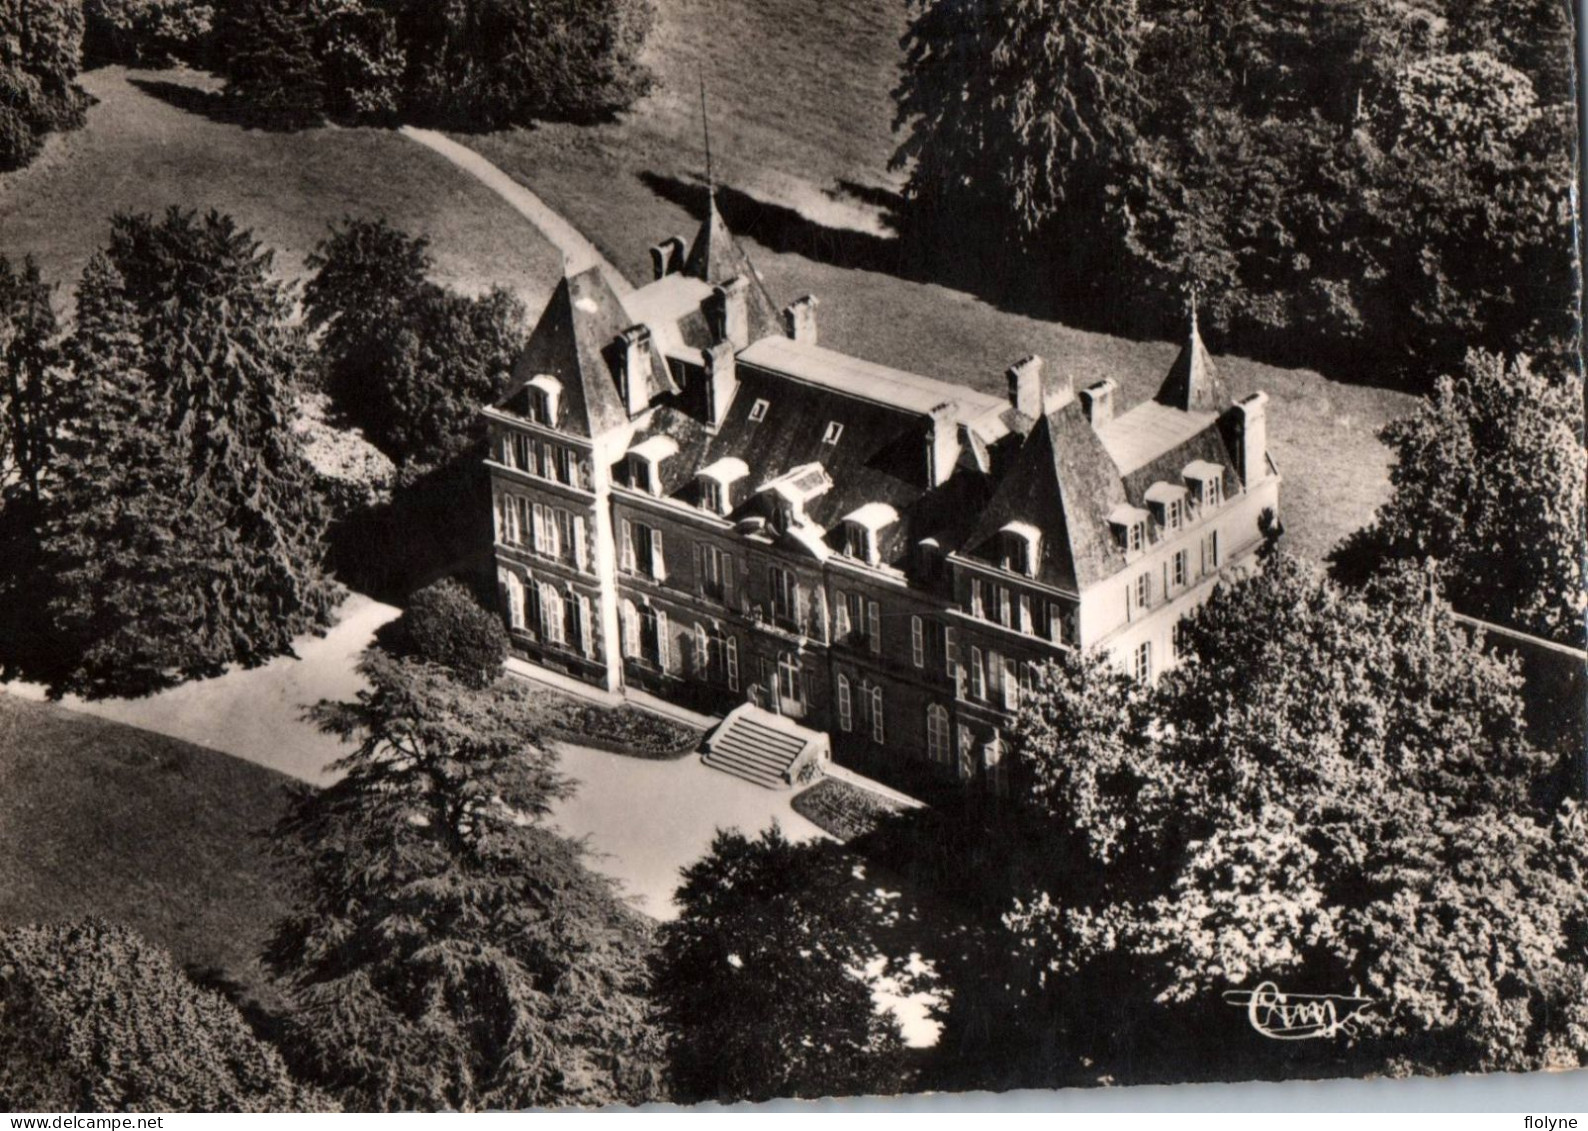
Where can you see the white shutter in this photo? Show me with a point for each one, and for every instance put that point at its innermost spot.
(878, 734)
(664, 649)
(917, 642)
(951, 652)
(631, 630)
(581, 547)
(586, 631)
(846, 718)
(1011, 684)
(978, 676)
(658, 563)
(733, 664)
(841, 617)
(537, 524)
(626, 547)
(702, 651)
(874, 629)
(801, 611)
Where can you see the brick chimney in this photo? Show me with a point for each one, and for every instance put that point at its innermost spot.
(1251, 430)
(799, 319)
(667, 257)
(1025, 386)
(728, 312)
(942, 444)
(722, 380)
(636, 362)
(1098, 401)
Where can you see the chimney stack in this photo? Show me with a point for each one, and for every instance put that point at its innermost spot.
(636, 362)
(667, 257)
(799, 320)
(942, 445)
(1025, 386)
(1098, 401)
(722, 380)
(729, 312)
(1251, 424)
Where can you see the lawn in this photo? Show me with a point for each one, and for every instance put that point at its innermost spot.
(141, 151)
(800, 116)
(102, 819)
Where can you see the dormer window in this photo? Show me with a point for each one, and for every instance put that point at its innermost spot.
(1020, 548)
(1206, 480)
(1129, 525)
(1168, 504)
(834, 431)
(862, 531)
(716, 484)
(544, 396)
(758, 410)
(645, 463)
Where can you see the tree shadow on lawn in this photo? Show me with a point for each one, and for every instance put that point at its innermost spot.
(1011, 283)
(209, 104)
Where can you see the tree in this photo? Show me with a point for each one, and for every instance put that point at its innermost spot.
(1492, 461)
(40, 53)
(144, 32)
(1336, 794)
(445, 625)
(406, 360)
(267, 51)
(445, 949)
(28, 354)
(93, 1018)
(179, 532)
(762, 979)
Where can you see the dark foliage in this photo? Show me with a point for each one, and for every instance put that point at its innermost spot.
(844, 810)
(177, 531)
(1371, 182)
(145, 33)
(93, 1018)
(40, 53)
(760, 978)
(406, 360)
(468, 64)
(1488, 488)
(445, 625)
(29, 352)
(1346, 802)
(446, 950)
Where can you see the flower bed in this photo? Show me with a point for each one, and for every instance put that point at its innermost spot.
(846, 811)
(624, 730)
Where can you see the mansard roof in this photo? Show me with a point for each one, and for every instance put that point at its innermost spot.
(573, 342)
(715, 257)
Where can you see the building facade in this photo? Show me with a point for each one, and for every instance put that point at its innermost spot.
(694, 497)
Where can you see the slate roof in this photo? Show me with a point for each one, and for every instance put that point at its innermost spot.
(1193, 383)
(573, 342)
(715, 257)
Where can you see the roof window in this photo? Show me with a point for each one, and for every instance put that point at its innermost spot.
(758, 410)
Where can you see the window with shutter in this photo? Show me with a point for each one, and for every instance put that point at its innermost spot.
(878, 733)
(515, 601)
(1028, 623)
(841, 614)
(626, 547)
(553, 625)
(1011, 684)
(581, 546)
(937, 742)
(658, 562)
(978, 677)
(631, 630)
(967, 753)
(951, 652)
(729, 578)
(846, 718)
(733, 664)
(586, 629)
(917, 642)
(874, 626)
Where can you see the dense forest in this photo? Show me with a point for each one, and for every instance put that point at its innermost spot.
(1378, 185)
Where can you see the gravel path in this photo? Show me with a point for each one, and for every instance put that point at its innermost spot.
(578, 251)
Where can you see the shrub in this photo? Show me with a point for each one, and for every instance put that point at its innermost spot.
(445, 625)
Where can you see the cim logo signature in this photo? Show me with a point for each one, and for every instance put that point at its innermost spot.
(1298, 1017)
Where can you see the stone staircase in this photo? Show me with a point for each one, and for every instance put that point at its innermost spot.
(761, 747)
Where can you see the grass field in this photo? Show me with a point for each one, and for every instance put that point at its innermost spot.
(102, 819)
(800, 118)
(142, 151)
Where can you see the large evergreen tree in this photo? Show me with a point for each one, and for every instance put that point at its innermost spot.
(179, 531)
(93, 1018)
(445, 949)
(40, 53)
(28, 354)
(764, 978)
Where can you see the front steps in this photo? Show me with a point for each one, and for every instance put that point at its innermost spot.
(762, 747)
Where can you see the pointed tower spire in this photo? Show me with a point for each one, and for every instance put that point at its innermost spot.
(705, 130)
(1193, 383)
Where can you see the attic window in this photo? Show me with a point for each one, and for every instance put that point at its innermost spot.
(1168, 504)
(861, 529)
(1207, 479)
(758, 411)
(545, 393)
(716, 484)
(1021, 546)
(645, 463)
(1130, 528)
(834, 430)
